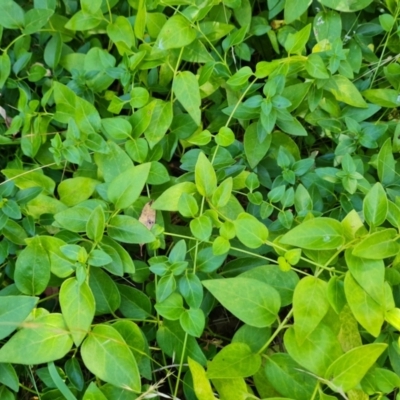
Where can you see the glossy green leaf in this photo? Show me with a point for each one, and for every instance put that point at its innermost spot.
(378, 245)
(106, 354)
(344, 90)
(346, 5)
(11, 15)
(317, 233)
(253, 302)
(383, 97)
(193, 321)
(293, 10)
(169, 199)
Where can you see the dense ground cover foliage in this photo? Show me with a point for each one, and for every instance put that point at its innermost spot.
(200, 199)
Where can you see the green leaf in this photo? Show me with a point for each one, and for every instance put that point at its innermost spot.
(78, 308)
(251, 232)
(106, 295)
(386, 163)
(75, 190)
(171, 339)
(43, 340)
(171, 307)
(32, 270)
(236, 360)
(288, 378)
(96, 224)
(35, 19)
(116, 128)
(186, 90)
(5, 68)
(222, 194)
(344, 90)
(175, 33)
(11, 15)
(366, 310)
(375, 205)
(348, 370)
(169, 199)
(316, 234)
(161, 119)
(193, 321)
(378, 245)
(73, 219)
(318, 351)
(346, 5)
(126, 229)
(295, 42)
(253, 302)
(383, 97)
(13, 311)
(254, 148)
(201, 227)
(121, 33)
(9, 377)
(369, 274)
(134, 303)
(106, 354)
(294, 10)
(126, 188)
(201, 384)
(310, 304)
(206, 180)
(315, 66)
(82, 21)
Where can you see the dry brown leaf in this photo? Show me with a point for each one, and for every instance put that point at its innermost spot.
(147, 218)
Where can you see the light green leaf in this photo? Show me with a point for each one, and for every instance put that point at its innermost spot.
(9, 377)
(222, 194)
(205, 177)
(78, 308)
(116, 128)
(346, 5)
(383, 97)
(316, 234)
(255, 149)
(186, 90)
(35, 19)
(386, 163)
(344, 90)
(11, 15)
(175, 33)
(73, 219)
(45, 339)
(348, 370)
(95, 224)
(126, 229)
(75, 190)
(161, 119)
(169, 199)
(201, 384)
(5, 68)
(375, 205)
(201, 227)
(126, 188)
(250, 231)
(378, 245)
(318, 351)
(193, 321)
(294, 9)
(13, 311)
(369, 274)
(32, 270)
(82, 21)
(366, 310)
(295, 42)
(106, 354)
(236, 360)
(315, 66)
(310, 304)
(253, 302)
